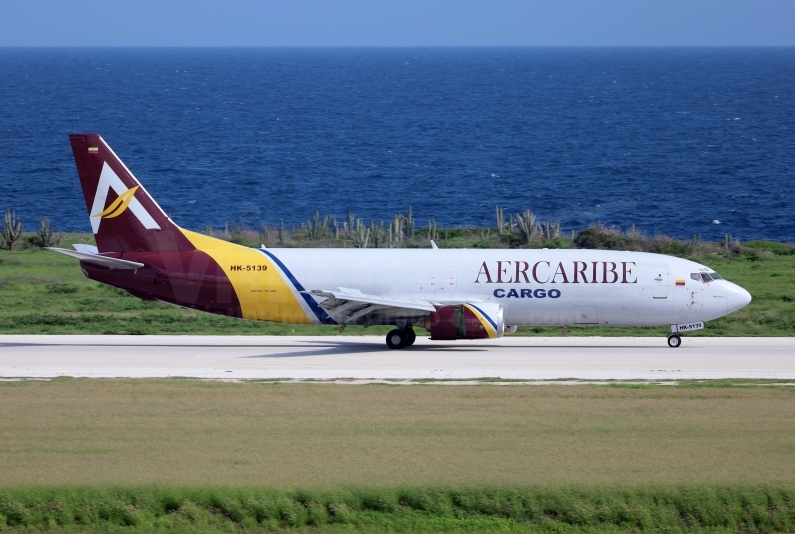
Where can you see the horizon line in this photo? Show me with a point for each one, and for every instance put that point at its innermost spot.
(397, 46)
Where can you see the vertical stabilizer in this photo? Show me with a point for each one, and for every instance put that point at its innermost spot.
(124, 218)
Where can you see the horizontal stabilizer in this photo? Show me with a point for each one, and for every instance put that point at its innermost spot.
(97, 259)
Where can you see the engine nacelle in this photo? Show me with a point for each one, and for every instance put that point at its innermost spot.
(466, 321)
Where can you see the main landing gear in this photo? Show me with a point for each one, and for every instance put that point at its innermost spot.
(674, 341)
(400, 338)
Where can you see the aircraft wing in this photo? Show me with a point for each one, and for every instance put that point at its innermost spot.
(347, 305)
(97, 259)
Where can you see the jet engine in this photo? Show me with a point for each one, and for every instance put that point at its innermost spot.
(466, 321)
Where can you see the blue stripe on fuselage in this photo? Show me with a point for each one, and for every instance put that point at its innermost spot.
(319, 312)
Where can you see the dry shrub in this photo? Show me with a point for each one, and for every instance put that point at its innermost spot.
(602, 237)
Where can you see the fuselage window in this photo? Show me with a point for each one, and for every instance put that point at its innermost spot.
(706, 278)
(695, 276)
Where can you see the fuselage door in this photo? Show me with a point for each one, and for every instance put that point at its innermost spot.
(432, 281)
(659, 281)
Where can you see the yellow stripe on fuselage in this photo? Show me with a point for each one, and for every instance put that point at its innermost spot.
(264, 295)
(483, 320)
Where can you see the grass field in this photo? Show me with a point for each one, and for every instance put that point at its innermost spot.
(182, 432)
(196, 456)
(44, 292)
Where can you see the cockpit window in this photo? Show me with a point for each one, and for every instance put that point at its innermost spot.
(706, 278)
(716, 276)
(695, 276)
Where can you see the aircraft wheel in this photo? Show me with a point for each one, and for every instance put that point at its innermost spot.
(410, 336)
(395, 339)
(674, 341)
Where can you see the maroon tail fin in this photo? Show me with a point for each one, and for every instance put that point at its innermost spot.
(124, 218)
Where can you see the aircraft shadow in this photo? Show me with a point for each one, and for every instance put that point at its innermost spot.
(342, 347)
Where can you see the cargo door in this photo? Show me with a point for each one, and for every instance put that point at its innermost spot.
(586, 315)
(659, 281)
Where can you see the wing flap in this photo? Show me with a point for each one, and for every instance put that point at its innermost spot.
(336, 298)
(348, 305)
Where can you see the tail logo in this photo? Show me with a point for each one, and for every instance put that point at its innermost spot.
(119, 205)
(126, 201)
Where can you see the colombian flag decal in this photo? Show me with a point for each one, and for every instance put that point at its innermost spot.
(93, 150)
(680, 282)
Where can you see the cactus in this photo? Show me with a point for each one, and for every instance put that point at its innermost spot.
(349, 225)
(282, 233)
(316, 228)
(397, 228)
(550, 231)
(433, 230)
(500, 220)
(12, 229)
(336, 229)
(46, 235)
(265, 235)
(378, 234)
(361, 236)
(409, 225)
(526, 225)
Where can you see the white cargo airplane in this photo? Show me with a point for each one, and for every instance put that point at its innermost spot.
(453, 294)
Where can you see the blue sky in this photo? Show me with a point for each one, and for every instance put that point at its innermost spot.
(398, 23)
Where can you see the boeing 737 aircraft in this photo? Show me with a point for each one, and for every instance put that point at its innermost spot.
(453, 294)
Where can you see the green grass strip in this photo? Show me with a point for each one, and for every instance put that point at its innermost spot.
(46, 293)
(649, 509)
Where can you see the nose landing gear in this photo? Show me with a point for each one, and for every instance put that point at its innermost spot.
(400, 338)
(674, 341)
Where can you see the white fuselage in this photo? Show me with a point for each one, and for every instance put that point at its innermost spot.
(536, 287)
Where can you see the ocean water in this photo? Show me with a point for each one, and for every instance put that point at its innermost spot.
(677, 141)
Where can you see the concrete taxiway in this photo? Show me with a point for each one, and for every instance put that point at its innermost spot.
(366, 357)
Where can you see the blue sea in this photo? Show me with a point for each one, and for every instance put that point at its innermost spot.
(678, 141)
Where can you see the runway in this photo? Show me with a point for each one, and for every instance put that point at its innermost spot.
(366, 357)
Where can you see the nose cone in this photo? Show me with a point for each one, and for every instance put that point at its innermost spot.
(737, 297)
